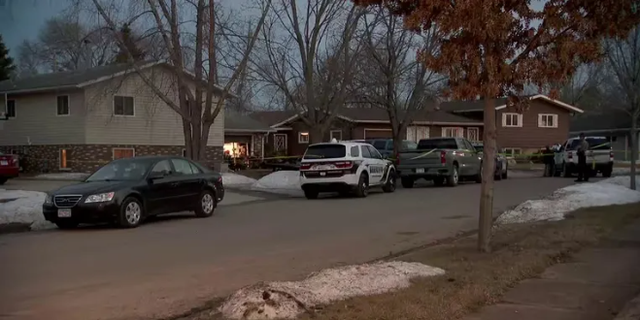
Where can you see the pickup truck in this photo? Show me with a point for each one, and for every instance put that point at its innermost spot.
(599, 157)
(385, 146)
(442, 160)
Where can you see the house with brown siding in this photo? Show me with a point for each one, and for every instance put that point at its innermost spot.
(545, 122)
(78, 121)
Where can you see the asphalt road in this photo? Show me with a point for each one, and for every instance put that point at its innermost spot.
(168, 266)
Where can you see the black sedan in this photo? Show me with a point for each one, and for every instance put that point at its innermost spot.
(126, 191)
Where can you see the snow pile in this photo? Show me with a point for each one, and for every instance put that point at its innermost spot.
(17, 206)
(230, 179)
(286, 300)
(280, 182)
(552, 208)
(67, 176)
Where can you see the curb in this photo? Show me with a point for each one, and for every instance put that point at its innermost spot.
(631, 310)
(14, 227)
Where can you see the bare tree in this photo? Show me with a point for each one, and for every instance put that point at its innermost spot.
(174, 21)
(393, 79)
(310, 53)
(584, 88)
(623, 59)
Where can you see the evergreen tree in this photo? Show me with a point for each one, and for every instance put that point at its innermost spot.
(129, 44)
(6, 62)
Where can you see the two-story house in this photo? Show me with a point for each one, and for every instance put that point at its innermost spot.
(78, 121)
(545, 122)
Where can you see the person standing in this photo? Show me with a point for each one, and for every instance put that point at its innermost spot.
(583, 169)
(547, 157)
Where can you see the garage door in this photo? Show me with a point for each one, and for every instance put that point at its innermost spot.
(377, 134)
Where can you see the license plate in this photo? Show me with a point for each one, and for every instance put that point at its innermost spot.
(420, 170)
(322, 174)
(4, 163)
(322, 167)
(64, 213)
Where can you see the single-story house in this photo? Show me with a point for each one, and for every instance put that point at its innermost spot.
(244, 136)
(613, 124)
(80, 120)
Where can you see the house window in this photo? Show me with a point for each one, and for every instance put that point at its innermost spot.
(510, 152)
(63, 159)
(417, 133)
(119, 153)
(11, 109)
(511, 120)
(123, 106)
(336, 134)
(452, 132)
(548, 120)
(473, 134)
(279, 142)
(63, 106)
(303, 137)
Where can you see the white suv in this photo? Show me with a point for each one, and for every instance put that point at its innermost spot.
(345, 167)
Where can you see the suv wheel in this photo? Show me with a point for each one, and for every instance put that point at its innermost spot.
(390, 186)
(362, 190)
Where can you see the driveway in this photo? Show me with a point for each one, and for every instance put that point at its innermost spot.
(168, 266)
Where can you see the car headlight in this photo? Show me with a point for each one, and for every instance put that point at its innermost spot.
(101, 197)
(47, 199)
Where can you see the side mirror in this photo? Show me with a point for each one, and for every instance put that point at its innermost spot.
(155, 175)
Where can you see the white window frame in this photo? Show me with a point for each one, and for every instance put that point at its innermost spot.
(15, 109)
(68, 106)
(303, 134)
(414, 130)
(113, 151)
(554, 118)
(513, 151)
(459, 132)
(60, 159)
(113, 102)
(334, 131)
(476, 129)
(286, 141)
(511, 114)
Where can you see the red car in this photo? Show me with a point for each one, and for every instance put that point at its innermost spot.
(9, 167)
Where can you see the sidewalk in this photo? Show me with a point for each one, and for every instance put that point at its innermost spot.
(596, 286)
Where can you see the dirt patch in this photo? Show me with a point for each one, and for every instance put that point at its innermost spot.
(473, 279)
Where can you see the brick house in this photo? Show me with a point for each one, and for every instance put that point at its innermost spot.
(78, 121)
(545, 122)
(292, 136)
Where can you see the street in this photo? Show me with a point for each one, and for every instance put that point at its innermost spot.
(172, 264)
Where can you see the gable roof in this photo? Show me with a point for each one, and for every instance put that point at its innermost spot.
(365, 115)
(75, 79)
(501, 103)
(236, 122)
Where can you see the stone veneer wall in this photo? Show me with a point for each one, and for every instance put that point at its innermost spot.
(88, 158)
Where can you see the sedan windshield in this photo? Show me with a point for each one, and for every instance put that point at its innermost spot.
(122, 170)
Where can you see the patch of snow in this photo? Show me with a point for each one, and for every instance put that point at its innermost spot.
(286, 300)
(554, 207)
(236, 180)
(280, 182)
(23, 207)
(66, 176)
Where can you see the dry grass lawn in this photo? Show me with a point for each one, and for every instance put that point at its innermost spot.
(473, 279)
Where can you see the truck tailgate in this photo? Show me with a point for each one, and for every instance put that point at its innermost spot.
(418, 159)
(598, 156)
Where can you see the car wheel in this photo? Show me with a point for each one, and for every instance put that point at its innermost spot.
(311, 193)
(479, 175)
(407, 183)
(362, 190)
(206, 205)
(390, 186)
(565, 171)
(131, 213)
(67, 224)
(452, 180)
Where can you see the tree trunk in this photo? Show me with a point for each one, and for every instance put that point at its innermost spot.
(488, 167)
(316, 135)
(634, 150)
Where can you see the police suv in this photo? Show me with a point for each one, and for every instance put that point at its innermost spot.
(346, 168)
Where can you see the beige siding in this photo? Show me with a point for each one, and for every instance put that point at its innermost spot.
(36, 121)
(154, 122)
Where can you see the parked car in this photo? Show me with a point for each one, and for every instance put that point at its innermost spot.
(346, 168)
(443, 160)
(126, 191)
(9, 167)
(599, 157)
(385, 146)
(502, 165)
